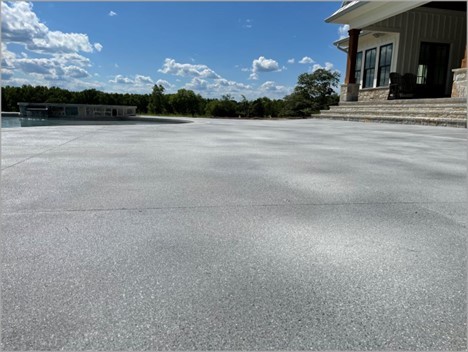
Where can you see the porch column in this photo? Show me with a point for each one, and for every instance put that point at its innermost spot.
(352, 53)
(350, 89)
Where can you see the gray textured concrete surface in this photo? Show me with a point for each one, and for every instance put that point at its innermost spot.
(236, 235)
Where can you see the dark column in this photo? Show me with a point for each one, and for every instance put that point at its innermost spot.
(352, 53)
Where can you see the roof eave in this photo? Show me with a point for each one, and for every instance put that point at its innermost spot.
(345, 10)
(360, 14)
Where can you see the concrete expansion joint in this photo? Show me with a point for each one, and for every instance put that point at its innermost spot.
(233, 206)
(50, 149)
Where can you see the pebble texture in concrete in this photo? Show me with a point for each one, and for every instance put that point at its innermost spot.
(234, 235)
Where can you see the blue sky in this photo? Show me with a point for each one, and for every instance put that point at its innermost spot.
(214, 48)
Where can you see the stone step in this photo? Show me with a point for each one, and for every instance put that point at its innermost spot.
(440, 111)
(394, 107)
(416, 120)
(431, 101)
(456, 114)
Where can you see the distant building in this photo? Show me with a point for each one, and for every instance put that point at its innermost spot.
(426, 40)
(46, 110)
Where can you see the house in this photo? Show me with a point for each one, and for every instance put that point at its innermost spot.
(424, 39)
(54, 110)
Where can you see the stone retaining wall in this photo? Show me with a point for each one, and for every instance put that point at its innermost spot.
(459, 83)
(373, 94)
(349, 92)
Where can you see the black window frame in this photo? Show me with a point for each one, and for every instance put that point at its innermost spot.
(369, 68)
(384, 67)
(358, 68)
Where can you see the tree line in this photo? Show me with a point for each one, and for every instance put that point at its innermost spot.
(313, 92)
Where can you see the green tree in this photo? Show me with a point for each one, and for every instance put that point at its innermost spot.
(225, 107)
(296, 105)
(244, 107)
(318, 87)
(157, 100)
(185, 101)
(314, 92)
(58, 95)
(89, 96)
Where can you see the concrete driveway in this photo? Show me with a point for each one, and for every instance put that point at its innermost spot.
(234, 235)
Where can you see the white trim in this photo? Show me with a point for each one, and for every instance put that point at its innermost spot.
(360, 14)
(377, 44)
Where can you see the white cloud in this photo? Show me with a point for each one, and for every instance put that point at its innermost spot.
(197, 84)
(78, 85)
(50, 68)
(291, 61)
(247, 23)
(59, 42)
(76, 72)
(343, 31)
(98, 46)
(165, 84)
(42, 70)
(275, 90)
(112, 13)
(222, 82)
(263, 64)
(8, 57)
(138, 83)
(72, 59)
(6, 74)
(170, 66)
(306, 60)
(122, 80)
(218, 87)
(21, 25)
(41, 66)
(15, 81)
(328, 66)
(139, 79)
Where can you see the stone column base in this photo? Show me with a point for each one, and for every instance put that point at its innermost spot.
(459, 88)
(349, 92)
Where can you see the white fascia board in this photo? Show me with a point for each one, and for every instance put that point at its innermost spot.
(360, 14)
(344, 10)
(343, 43)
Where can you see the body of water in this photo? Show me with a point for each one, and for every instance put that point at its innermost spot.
(9, 122)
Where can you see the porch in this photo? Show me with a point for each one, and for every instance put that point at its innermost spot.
(450, 112)
(424, 39)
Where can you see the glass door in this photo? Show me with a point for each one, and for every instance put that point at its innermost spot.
(432, 69)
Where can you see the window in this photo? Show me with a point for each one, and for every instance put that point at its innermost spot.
(422, 74)
(358, 68)
(369, 68)
(71, 110)
(385, 60)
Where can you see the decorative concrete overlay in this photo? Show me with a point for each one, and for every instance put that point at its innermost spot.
(235, 235)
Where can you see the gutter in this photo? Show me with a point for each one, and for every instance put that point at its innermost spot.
(345, 40)
(346, 9)
(340, 48)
